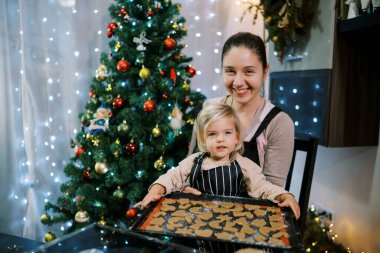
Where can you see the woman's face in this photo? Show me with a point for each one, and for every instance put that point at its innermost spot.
(243, 74)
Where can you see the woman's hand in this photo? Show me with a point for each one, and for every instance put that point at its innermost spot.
(287, 199)
(188, 189)
(155, 193)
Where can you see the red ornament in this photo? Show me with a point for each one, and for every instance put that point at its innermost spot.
(149, 106)
(118, 103)
(132, 148)
(123, 65)
(169, 43)
(112, 27)
(150, 13)
(79, 151)
(123, 12)
(176, 57)
(187, 100)
(86, 175)
(165, 95)
(192, 71)
(173, 75)
(91, 93)
(131, 213)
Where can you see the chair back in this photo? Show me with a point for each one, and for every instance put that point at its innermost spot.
(309, 146)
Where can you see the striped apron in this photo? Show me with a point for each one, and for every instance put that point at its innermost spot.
(226, 180)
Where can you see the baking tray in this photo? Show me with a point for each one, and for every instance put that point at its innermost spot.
(230, 213)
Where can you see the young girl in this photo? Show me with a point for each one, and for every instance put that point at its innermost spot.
(219, 169)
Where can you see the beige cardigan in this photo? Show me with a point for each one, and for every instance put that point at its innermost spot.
(254, 180)
(275, 144)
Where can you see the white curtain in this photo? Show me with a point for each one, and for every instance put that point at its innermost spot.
(49, 51)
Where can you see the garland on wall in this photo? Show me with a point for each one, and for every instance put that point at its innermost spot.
(288, 22)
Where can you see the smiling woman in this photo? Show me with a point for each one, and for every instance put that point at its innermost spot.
(267, 132)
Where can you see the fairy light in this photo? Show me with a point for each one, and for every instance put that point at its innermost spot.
(49, 135)
(196, 34)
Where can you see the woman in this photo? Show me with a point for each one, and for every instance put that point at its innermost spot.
(268, 132)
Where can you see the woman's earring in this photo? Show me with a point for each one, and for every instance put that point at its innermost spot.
(262, 90)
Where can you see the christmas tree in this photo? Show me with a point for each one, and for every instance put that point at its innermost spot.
(138, 119)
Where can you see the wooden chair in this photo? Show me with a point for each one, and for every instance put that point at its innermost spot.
(309, 146)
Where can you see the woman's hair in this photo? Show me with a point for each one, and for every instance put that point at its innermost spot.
(211, 113)
(249, 41)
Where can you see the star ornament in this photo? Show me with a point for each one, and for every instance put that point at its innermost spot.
(96, 142)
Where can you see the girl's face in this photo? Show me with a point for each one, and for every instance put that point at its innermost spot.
(221, 138)
(243, 74)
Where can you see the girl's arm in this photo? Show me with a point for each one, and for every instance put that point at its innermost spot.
(155, 193)
(173, 180)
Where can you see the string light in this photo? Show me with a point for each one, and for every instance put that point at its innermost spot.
(50, 160)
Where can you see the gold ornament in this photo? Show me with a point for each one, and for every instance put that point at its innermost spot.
(109, 88)
(89, 136)
(101, 72)
(123, 127)
(116, 153)
(102, 221)
(190, 121)
(186, 85)
(144, 72)
(117, 46)
(44, 218)
(117, 141)
(274, 38)
(95, 142)
(49, 236)
(72, 143)
(284, 21)
(101, 168)
(156, 131)
(175, 26)
(268, 20)
(159, 164)
(118, 193)
(82, 217)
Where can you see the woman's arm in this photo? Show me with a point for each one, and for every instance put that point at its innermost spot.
(288, 200)
(255, 182)
(279, 150)
(258, 187)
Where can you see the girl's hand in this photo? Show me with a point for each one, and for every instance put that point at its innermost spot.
(287, 199)
(155, 193)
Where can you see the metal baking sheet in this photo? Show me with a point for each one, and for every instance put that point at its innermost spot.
(270, 226)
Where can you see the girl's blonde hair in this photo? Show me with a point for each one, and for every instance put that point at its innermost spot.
(212, 113)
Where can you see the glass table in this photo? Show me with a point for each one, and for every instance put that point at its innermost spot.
(97, 238)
